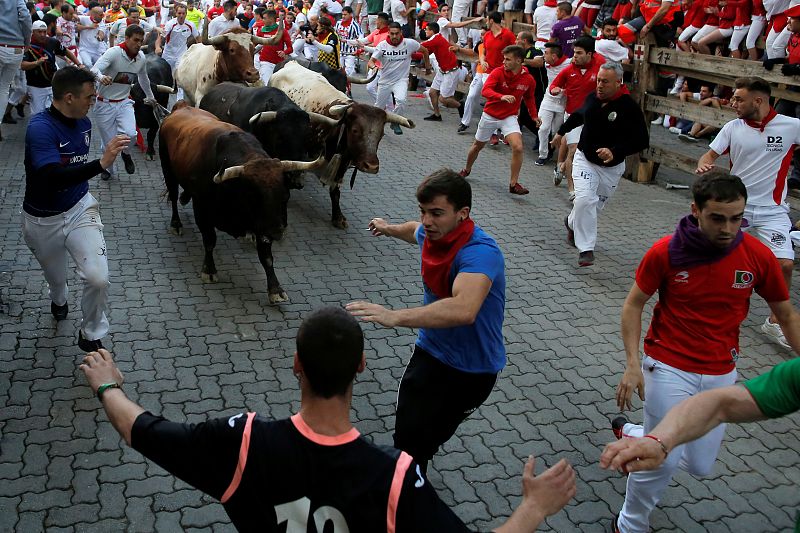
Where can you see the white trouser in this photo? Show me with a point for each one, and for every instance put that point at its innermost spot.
(88, 56)
(757, 23)
(667, 386)
(739, 34)
(265, 70)
(594, 187)
(473, 96)
(460, 12)
(372, 87)
(41, 98)
(165, 16)
(385, 91)
(349, 62)
(372, 24)
(78, 232)
(10, 60)
(551, 121)
(20, 88)
(115, 118)
(776, 43)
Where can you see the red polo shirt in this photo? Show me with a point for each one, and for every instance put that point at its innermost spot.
(578, 83)
(493, 46)
(440, 47)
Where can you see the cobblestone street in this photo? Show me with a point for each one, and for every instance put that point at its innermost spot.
(191, 350)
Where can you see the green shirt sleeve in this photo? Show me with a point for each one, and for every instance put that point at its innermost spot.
(777, 392)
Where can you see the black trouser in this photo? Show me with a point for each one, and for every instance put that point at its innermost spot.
(433, 400)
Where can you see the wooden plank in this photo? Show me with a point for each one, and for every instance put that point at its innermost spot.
(778, 92)
(721, 66)
(675, 160)
(689, 110)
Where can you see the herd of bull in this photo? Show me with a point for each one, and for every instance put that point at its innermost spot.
(237, 156)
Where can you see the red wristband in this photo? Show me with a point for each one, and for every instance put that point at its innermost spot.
(663, 447)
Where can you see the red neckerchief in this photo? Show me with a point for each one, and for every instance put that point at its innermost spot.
(438, 256)
(622, 91)
(763, 124)
(560, 60)
(128, 52)
(128, 21)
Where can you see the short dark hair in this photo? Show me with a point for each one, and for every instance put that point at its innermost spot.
(610, 22)
(566, 7)
(396, 25)
(526, 36)
(330, 345)
(719, 187)
(384, 16)
(347, 9)
(133, 29)
(260, 11)
(89, 7)
(495, 17)
(269, 13)
(434, 27)
(448, 183)
(586, 43)
(325, 21)
(754, 84)
(514, 50)
(556, 47)
(65, 8)
(70, 79)
(228, 4)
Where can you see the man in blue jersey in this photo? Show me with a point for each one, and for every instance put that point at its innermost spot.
(314, 467)
(59, 215)
(459, 351)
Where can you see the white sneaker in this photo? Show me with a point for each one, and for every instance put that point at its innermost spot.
(774, 332)
(658, 120)
(675, 130)
(667, 120)
(676, 89)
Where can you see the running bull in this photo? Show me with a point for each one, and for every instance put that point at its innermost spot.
(233, 184)
(354, 143)
(160, 74)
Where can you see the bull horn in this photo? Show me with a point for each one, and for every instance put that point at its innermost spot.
(165, 89)
(289, 166)
(229, 173)
(394, 118)
(263, 117)
(322, 120)
(219, 39)
(270, 41)
(337, 111)
(362, 81)
(144, 48)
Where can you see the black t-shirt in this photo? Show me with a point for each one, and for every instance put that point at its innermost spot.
(281, 476)
(42, 76)
(539, 74)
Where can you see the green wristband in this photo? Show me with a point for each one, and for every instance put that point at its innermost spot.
(104, 387)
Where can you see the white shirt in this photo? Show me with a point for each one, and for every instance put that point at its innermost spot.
(121, 24)
(175, 36)
(68, 30)
(396, 60)
(89, 40)
(544, 17)
(550, 102)
(760, 158)
(397, 7)
(443, 28)
(611, 49)
(220, 24)
(115, 61)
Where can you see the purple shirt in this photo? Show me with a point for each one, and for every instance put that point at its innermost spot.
(566, 32)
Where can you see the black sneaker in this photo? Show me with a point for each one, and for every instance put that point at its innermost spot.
(586, 258)
(59, 311)
(688, 138)
(461, 108)
(130, 168)
(540, 162)
(8, 119)
(617, 424)
(105, 175)
(87, 345)
(433, 117)
(21, 110)
(462, 128)
(570, 233)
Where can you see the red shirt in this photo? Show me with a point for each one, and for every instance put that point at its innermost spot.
(695, 16)
(150, 6)
(214, 12)
(493, 46)
(648, 9)
(623, 11)
(440, 47)
(270, 53)
(578, 83)
(744, 10)
(758, 8)
(712, 17)
(501, 82)
(695, 324)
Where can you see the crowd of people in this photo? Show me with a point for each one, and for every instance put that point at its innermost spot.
(559, 81)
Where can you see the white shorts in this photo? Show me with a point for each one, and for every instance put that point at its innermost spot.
(771, 225)
(488, 124)
(727, 32)
(702, 32)
(739, 34)
(574, 136)
(445, 83)
(688, 33)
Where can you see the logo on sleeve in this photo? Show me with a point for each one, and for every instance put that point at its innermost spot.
(682, 277)
(742, 279)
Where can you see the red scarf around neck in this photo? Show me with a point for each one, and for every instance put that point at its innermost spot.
(128, 52)
(438, 256)
(760, 125)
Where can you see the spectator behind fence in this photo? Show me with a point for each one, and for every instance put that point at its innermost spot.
(314, 466)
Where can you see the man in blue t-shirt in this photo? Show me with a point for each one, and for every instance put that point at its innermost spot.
(59, 215)
(459, 351)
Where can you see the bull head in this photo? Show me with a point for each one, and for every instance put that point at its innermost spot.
(322, 120)
(338, 111)
(362, 81)
(237, 171)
